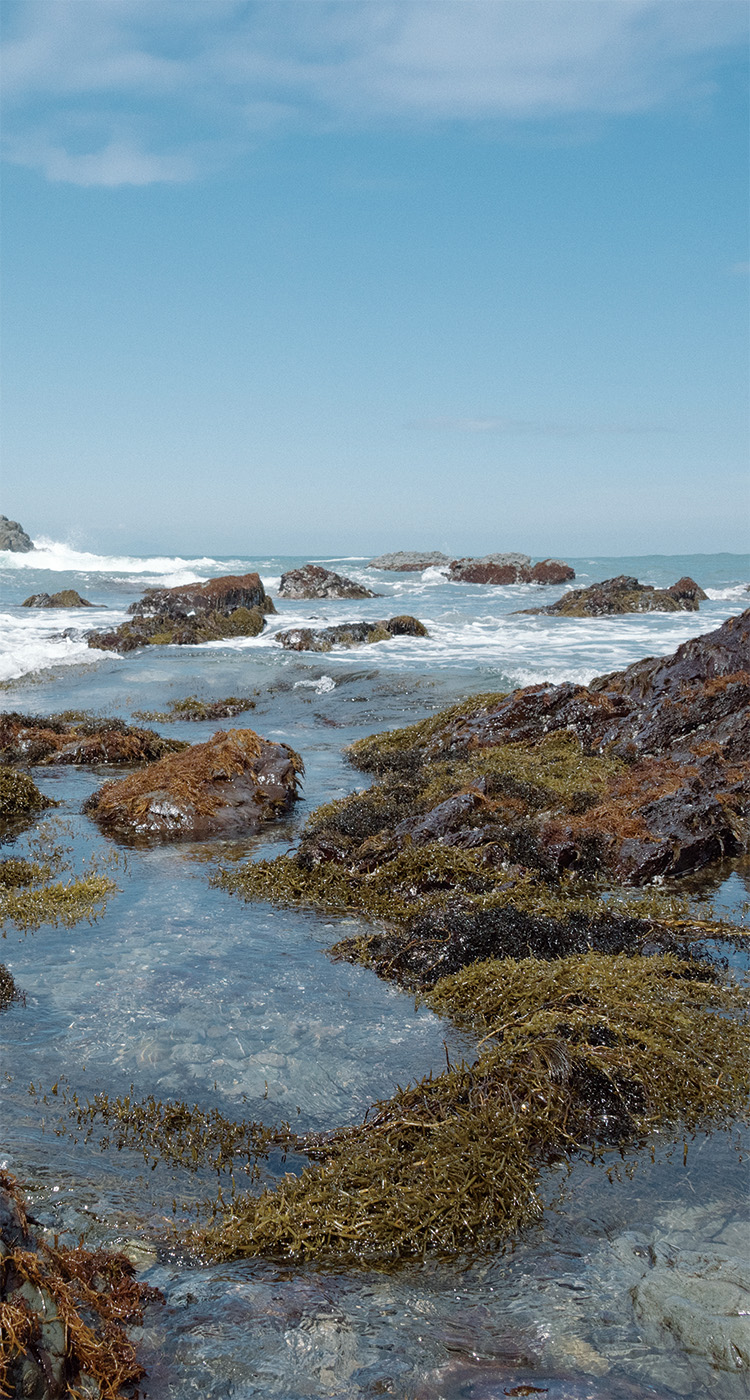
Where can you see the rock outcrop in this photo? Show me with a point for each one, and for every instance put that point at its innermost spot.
(64, 1313)
(79, 739)
(509, 568)
(13, 537)
(313, 581)
(350, 634)
(406, 561)
(232, 606)
(235, 783)
(66, 598)
(625, 595)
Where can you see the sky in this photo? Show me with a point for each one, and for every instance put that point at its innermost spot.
(318, 278)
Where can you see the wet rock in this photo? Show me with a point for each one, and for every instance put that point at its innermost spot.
(67, 598)
(232, 606)
(313, 581)
(491, 568)
(13, 537)
(552, 571)
(63, 1309)
(350, 634)
(625, 595)
(406, 561)
(236, 782)
(79, 739)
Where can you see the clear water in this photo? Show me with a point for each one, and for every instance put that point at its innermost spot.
(185, 992)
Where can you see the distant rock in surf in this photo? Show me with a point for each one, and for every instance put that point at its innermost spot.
(67, 598)
(313, 581)
(409, 561)
(14, 537)
(231, 606)
(236, 782)
(351, 634)
(509, 568)
(625, 595)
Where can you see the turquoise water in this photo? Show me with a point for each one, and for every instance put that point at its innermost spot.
(182, 991)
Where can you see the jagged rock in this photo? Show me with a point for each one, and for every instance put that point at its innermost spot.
(350, 634)
(13, 537)
(79, 739)
(551, 571)
(232, 606)
(625, 595)
(409, 561)
(236, 782)
(66, 598)
(63, 1310)
(509, 568)
(313, 581)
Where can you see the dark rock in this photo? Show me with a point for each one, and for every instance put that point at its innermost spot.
(79, 739)
(13, 537)
(63, 1311)
(624, 595)
(236, 782)
(313, 581)
(67, 598)
(491, 568)
(552, 571)
(409, 561)
(232, 606)
(350, 634)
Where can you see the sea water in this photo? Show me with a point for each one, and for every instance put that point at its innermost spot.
(182, 991)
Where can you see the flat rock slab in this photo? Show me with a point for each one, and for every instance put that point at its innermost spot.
(625, 595)
(235, 783)
(313, 581)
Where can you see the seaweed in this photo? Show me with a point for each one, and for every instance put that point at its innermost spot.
(20, 798)
(78, 737)
(580, 1054)
(30, 896)
(193, 709)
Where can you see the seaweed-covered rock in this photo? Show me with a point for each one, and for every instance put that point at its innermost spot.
(13, 537)
(509, 568)
(20, 799)
(232, 606)
(66, 598)
(350, 634)
(313, 581)
(406, 561)
(79, 739)
(236, 782)
(625, 595)
(195, 710)
(64, 1313)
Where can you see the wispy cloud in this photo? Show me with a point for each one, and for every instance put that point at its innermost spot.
(202, 79)
(521, 425)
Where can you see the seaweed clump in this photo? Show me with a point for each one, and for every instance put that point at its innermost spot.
(195, 710)
(20, 801)
(75, 737)
(584, 1053)
(30, 895)
(64, 1312)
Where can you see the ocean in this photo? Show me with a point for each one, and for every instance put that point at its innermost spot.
(182, 991)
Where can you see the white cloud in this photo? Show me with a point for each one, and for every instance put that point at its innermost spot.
(209, 73)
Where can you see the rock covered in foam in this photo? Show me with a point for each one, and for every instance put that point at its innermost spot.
(236, 782)
(313, 581)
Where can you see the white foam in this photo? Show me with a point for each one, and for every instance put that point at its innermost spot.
(29, 644)
(735, 592)
(322, 686)
(59, 557)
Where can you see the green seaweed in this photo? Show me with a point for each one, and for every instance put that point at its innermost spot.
(20, 798)
(194, 709)
(30, 896)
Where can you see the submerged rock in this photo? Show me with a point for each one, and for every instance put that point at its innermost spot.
(409, 561)
(232, 606)
(64, 1313)
(236, 782)
(350, 634)
(20, 799)
(13, 537)
(67, 598)
(313, 581)
(509, 568)
(79, 739)
(625, 595)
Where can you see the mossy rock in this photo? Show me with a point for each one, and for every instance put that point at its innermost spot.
(20, 798)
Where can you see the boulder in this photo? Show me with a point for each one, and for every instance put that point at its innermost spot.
(79, 739)
(313, 581)
(64, 1312)
(552, 571)
(350, 634)
(409, 561)
(232, 606)
(235, 783)
(13, 537)
(624, 595)
(67, 598)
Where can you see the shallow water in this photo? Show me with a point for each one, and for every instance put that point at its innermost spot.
(183, 991)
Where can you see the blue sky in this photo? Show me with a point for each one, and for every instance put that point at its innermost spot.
(312, 277)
